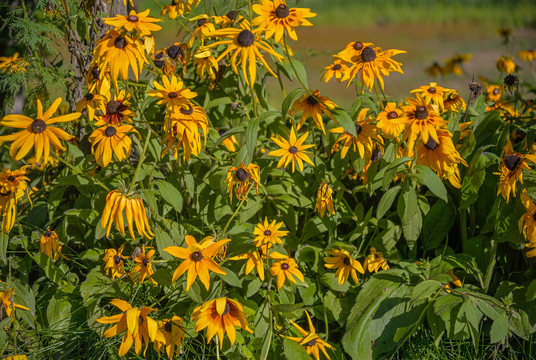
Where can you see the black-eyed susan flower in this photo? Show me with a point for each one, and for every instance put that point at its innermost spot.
(324, 200)
(113, 262)
(140, 22)
(117, 110)
(292, 150)
(285, 268)
(244, 44)
(8, 210)
(310, 339)
(91, 102)
(367, 134)
(38, 133)
(421, 119)
(506, 64)
(116, 202)
(386, 121)
(197, 260)
(511, 170)
(220, 316)
(268, 233)
(143, 268)
(230, 19)
(435, 69)
(353, 49)
(527, 55)
(370, 64)
(50, 245)
(336, 69)
(179, 7)
(172, 93)
(183, 130)
(239, 178)
(120, 51)
(7, 305)
(230, 142)
(453, 65)
(312, 105)
(453, 101)
(493, 93)
(345, 265)
(277, 18)
(205, 65)
(254, 261)
(173, 331)
(138, 326)
(441, 156)
(204, 26)
(111, 139)
(14, 180)
(98, 80)
(375, 261)
(527, 223)
(432, 94)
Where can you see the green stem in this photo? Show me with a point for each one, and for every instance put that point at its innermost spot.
(234, 214)
(140, 162)
(78, 172)
(287, 52)
(253, 101)
(378, 95)
(489, 270)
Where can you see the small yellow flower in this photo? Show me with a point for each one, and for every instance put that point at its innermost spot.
(254, 260)
(268, 233)
(386, 121)
(238, 179)
(375, 261)
(91, 102)
(286, 268)
(314, 106)
(506, 64)
(7, 305)
(345, 265)
(310, 339)
(455, 281)
(324, 200)
(432, 93)
(511, 170)
(173, 331)
(527, 55)
(143, 267)
(50, 245)
(493, 93)
(336, 69)
(114, 262)
(140, 22)
(292, 150)
(172, 93)
(111, 139)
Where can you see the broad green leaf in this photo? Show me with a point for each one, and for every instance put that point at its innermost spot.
(294, 351)
(531, 291)
(342, 117)
(287, 103)
(387, 200)
(392, 170)
(499, 329)
(410, 215)
(437, 224)
(430, 179)
(230, 278)
(253, 287)
(424, 290)
(59, 313)
(170, 194)
(286, 308)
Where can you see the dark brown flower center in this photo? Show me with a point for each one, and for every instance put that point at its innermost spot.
(110, 131)
(311, 342)
(336, 67)
(358, 45)
(172, 95)
(346, 261)
(285, 266)
(132, 18)
(167, 326)
(421, 113)
(196, 256)
(174, 51)
(431, 144)
(311, 100)
(120, 42)
(113, 107)
(392, 115)
(188, 111)
(7, 193)
(282, 11)
(227, 309)
(201, 22)
(512, 162)
(158, 60)
(231, 14)
(48, 233)
(38, 126)
(293, 149)
(95, 72)
(432, 90)
(117, 259)
(221, 132)
(140, 320)
(376, 154)
(145, 262)
(511, 80)
(267, 233)
(89, 97)
(368, 54)
(358, 129)
(11, 178)
(245, 38)
(496, 91)
(242, 174)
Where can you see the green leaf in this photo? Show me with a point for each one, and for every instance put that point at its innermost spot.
(332, 282)
(287, 103)
(294, 351)
(342, 117)
(387, 200)
(499, 329)
(230, 278)
(219, 101)
(430, 179)
(424, 290)
(531, 291)
(392, 170)
(253, 287)
(170, 194)
(437, 224)
(53, 272)
(286, 308)
(251, 139)
(58, 312)
(4, 241)
(410, 214)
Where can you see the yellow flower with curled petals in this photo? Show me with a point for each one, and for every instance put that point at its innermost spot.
(292, 150)
(324, 200)
(345, 265)
(310, 339)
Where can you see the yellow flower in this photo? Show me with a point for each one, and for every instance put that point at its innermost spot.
(276, 18)
(197, 260)
(386, 123)
(97, 80)
(352, 50)
(143, 267)
(120, 51)
(90, 102)
(13, 64)
(172, 93)
(50, 245)
(14, 180)
(229, 142)
(292, 150)
(511, 170)
(324, 200)
(117, 111)
(453, 101)
(204, 26)
(493, 93)
(238, 179)
(455, 281)
(254, 260)
(527, 55)
(432, 93)
(371, 63)
(116, 202)
(184, 130)
(173, 331)
(8, 210)
(110, 140)
(527, 223)
(229, 19)
(140, 22)
(205, 63)
(312, 105)
(38, 133)
(245, 45)
(441, 156)
(286, 268)
(220, 316)
(310, 339)
(345, 265)
(453, 64)
(139, 327)
(506, 64)
(114, 263)
(179, 7)
(268, 233)
(435, 69)
(375, 261)
(7, 305)
(367, 133)
(336, 69)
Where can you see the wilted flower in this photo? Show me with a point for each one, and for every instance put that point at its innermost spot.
(50, 245)
(324, 200)
(114, 262)
(312, 105)
(143, 267)
(310, 339)
(238, 180)
(375, 261)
